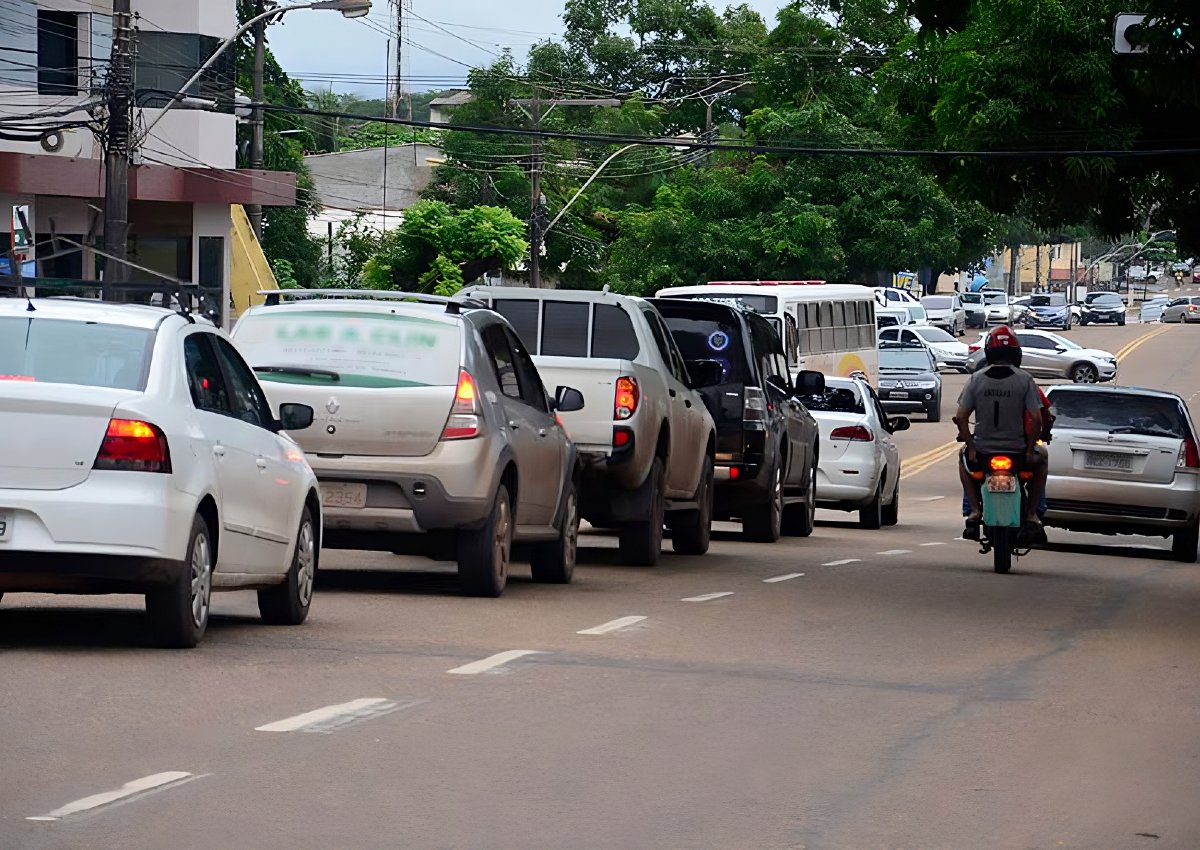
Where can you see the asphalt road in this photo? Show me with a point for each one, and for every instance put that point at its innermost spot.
(858, 689)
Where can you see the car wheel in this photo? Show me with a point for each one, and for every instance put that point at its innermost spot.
(179, 611)
(891, 511)
(553, 562)
(1184, 543)
(799, 520)
(1084, 373)
(1083, 322)
(1121, 322)
(870, 515)
(483, 553)
(287, 604)
(765, 524)
(641, 542)
(934, 414)
(691, 531)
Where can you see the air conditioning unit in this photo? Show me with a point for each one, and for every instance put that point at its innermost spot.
(68, 143)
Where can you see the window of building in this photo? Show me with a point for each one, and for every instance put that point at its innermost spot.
(167, 60)
(58, 52)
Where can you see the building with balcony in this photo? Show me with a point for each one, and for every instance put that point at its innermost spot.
(54, 57)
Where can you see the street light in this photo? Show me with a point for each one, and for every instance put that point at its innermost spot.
(348, 8)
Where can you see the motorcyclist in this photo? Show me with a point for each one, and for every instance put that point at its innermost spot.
(1008, 420)
(1044, 440)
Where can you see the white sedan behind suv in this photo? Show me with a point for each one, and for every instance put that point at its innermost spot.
(1124, 460)
(140, 455)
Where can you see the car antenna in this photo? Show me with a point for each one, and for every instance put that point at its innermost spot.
(29, 308)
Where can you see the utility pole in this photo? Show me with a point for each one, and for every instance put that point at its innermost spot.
(399, 93)
(537, 200)
(255, 211)
(116, 160)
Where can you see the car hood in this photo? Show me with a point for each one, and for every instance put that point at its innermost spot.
(885, 375)
(1050, 309)
(1106, 307)
(1098, 353)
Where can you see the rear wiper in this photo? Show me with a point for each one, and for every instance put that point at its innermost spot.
(298, 370)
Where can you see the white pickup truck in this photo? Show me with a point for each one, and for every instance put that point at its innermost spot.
(646, 439)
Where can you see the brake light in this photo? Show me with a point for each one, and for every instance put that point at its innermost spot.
(973, 347)
(17, 378)
(754, 404)
(856, 433)
(1190, 457)
(463, 422)
(1001, 463)
(622, 438)
(131, 445)
(625, 400)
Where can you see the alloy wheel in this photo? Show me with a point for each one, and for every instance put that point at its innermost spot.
(306, 561)
(201, 570)
(503, 541)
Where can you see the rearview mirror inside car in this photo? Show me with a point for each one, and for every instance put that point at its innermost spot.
(295, 417)
(704, 373)
(809, 382)
(568, 400)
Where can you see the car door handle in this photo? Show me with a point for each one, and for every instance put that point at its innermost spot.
(512, 423)
(219, 450)
(260, 462)
(541, 432)
(687, 402)
(673, 393)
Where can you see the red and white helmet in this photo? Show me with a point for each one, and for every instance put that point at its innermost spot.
(1003, 347)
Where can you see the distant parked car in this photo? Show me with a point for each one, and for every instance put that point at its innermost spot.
(1048, 355)
(948, 352)
(1049, 310)
(860, 465)
(892, 296)
(1103, 307)
(909, 380)
(946, 312)
(1125, 461)
(1000, 309)
(1184, 310)
(889, 317)
(976, 309)
(766, 451)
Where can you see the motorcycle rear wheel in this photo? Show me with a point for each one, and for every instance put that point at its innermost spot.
(1002, 540)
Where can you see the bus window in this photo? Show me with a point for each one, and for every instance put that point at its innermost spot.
(841, 339)
(791, 342)
(825, 316)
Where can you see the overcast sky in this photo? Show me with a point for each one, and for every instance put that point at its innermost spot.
(322, 49)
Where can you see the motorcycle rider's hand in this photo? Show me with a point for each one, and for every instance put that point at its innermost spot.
(972, 455)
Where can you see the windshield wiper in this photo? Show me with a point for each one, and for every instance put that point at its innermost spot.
(298, 370)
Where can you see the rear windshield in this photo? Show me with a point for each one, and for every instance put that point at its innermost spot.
(709, 339)
(835, 400)
(61, 351)
(564, 327)
(936, 302)
(348, 349)
(1119, 413)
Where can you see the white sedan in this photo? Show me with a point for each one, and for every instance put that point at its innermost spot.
(947, 351)
(859, 466)
(140, 455)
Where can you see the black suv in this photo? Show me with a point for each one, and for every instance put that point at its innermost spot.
(1102, 307)
(766, 457)
(908, 380)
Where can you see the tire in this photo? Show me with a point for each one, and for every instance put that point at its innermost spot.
(891, 511)
(1001, 549)
(1083, 322)
(691, 531)
(799, 520)
(1184, 544)
(1084, 373)
(553, 562)
(765, 523)
(1120, 323)
(870, 516)
(179, 611)
(484, 553)
(287, 604)
(934, 414)
(641, 542)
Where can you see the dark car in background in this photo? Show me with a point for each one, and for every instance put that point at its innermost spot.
(1049, 311)
(766, 455)
(908, 380)
(1100, 307)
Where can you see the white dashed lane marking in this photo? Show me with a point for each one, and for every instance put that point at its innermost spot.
(707, 597)
(895, 552)
(333, 717)
(842, 562)
(493, 661)
(784, 577)
(138, 787)
(933, 544)
(612, 626)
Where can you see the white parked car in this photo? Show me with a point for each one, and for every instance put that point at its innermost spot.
(946, 312)
(886, 317)
(140, 455)
(891, 296)
(948, 353)
(1001, 310)
(859, 466)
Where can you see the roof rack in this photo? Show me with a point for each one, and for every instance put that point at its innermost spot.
(453, 305)
(182, 294)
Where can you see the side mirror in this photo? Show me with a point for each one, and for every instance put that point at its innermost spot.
(568, 400)
(1060, 349)
(704, 373)
(809, 382)
(898, 423)
(295, 417)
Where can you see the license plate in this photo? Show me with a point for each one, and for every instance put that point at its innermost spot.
(1109, 460)
(1002, 484)
(6, 524)
(897, 395)
(344, 495)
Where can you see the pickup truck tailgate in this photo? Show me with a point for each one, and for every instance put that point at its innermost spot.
(592, 427)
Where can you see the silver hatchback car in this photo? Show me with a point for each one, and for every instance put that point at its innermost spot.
(1124, 460)
(1185, 310)
(1049, 355)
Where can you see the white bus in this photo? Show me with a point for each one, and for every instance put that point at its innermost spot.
(828, 328)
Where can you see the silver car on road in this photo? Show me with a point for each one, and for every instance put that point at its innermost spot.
(1184, 310)
(1048, 355)
(1124, 460)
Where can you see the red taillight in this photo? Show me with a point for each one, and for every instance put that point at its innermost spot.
(1001, 463)
(857, 433)
(622, 437)
(734, 472)
(17, 378)
(625, 400)
(973, 347)
(131, 445)
(1191, 455)
(463, 422)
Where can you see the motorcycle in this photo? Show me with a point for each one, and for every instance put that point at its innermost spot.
(1004, 499)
